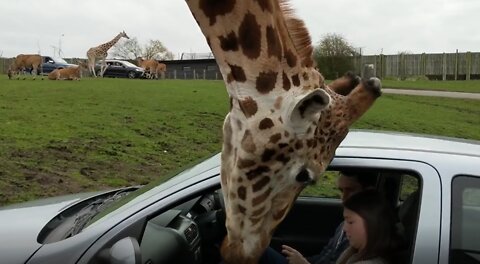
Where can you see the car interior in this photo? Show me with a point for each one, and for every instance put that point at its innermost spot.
(192, 231)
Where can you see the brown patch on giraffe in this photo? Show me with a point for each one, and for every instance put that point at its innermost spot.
(266, 123)
(212, 9)
(282, 158)
(245, 163)
(305, 76)
(274, 44)
(268, 154)
(286, 134)
(248, 106)
(280, 119)
(296, 80)
(247, 142)
(266, 82)
(258, 212)
(250, 36)
(278, 103)
(299, 145)
(265, 5)
(261, 198)
(229, 43)
(254, 222)
(236, 74)
(252, 174)
(286, 82)
(241, 209)
(279, 214)
(275, 138)
(282, 145)
(260, 184)
(242, 193)
(291, 58)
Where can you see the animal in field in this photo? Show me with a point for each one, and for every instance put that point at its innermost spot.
(100, 53)
(23, 62)
(153, 68)
(69, 73)
(284, 122)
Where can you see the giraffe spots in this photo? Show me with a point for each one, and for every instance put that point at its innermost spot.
(229, 43)
(260, 184)
(278, 103)
(281, 213)
(274, 44)
(250, 35)
(265, 5)
(282, 145)
(275, 138)
(242, 193)
(248, 106)
(245, 163)
(286, 82)
(241, 209)
(259, 211)
(296, 80)
(307, 62)
(298, 145)
(266, 81)
(268, 154)
(236, 74)
(261, 198)
(257, 172)
(247, 142)
(291, 58)
(282, 158)
(305, 76)
(266, 123)
(214, 8)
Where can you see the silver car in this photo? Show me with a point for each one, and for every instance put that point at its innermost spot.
(433, 183)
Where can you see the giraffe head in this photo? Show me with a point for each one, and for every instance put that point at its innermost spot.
(123, 35)
(284, 123)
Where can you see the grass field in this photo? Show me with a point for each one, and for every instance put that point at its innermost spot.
(64, 137)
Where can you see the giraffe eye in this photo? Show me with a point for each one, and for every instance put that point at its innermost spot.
(303, 176)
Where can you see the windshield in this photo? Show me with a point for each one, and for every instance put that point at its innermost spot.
(60, 60)
(128, 64)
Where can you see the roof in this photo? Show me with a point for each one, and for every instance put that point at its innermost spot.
(410, 141)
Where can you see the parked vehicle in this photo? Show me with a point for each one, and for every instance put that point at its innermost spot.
(120, 68)
(433, 182)
(51, 63)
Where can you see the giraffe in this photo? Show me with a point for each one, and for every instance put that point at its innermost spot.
(100, 52)
(284, 122)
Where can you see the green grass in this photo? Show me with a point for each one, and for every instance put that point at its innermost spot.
(60, 137)
(472, 86)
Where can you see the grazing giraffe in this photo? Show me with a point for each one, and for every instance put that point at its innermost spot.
(100, 52)
(153, 68)
(284, 123)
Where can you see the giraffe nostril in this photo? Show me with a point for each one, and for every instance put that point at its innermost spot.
(303, 176)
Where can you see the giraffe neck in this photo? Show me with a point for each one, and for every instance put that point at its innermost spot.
(258, 45)
(112, 42)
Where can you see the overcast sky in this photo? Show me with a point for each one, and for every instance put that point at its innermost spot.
(391, 26)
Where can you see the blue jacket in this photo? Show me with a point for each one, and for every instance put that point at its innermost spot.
(332, 251)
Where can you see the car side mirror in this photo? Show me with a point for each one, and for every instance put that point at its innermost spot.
(125, 251)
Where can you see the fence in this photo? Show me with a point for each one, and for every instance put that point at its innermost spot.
(443, 66)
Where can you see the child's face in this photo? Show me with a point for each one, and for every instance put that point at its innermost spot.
(355, 230)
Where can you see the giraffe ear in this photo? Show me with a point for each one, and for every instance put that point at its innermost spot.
(306, 108)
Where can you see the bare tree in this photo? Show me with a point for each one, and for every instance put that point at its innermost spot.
(131, 50)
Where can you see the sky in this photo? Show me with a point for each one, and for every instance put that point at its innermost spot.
(375, 26)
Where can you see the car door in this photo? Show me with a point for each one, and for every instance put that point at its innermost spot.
(313, 219)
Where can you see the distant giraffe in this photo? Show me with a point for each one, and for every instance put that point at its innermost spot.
(284, 123)
(153, 68)
(100, 52)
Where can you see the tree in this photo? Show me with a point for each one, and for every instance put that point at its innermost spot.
(131, 49)
(334, 56)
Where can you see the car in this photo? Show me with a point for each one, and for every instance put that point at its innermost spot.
(433, 183)
(120, 68)
(51, 63)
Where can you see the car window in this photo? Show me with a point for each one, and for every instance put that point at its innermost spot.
(408, 186)
(465, 217)
(326, 186)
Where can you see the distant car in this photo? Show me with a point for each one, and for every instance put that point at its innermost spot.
(433, 182)
(120, 68)
(51, 63)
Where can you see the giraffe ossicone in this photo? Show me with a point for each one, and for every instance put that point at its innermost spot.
(284, 123)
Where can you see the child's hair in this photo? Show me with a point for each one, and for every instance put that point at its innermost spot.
(380, 224)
